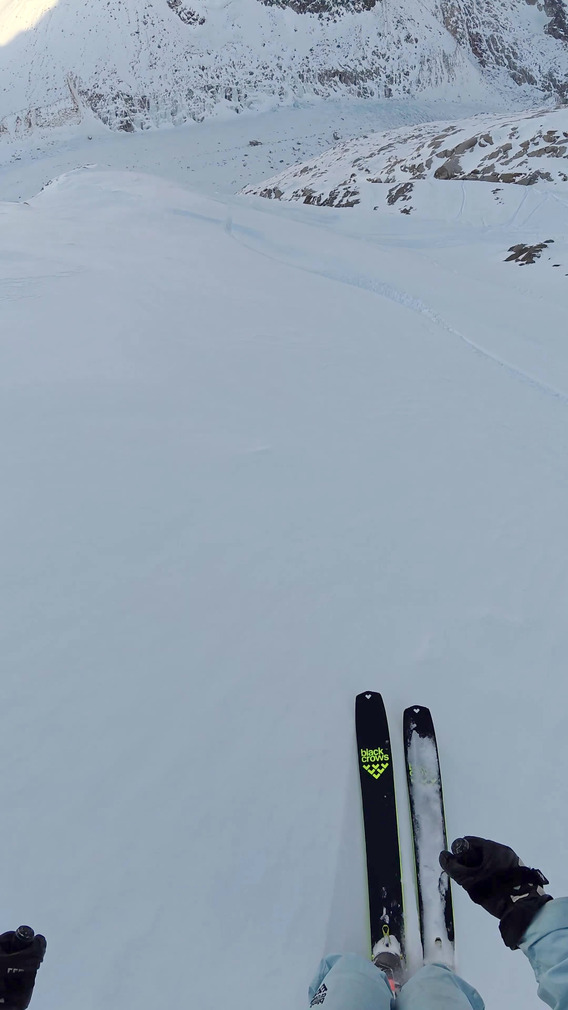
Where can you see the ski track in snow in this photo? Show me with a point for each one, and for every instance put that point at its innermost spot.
(399, 296)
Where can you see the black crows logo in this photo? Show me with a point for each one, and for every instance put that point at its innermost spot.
(374, 761)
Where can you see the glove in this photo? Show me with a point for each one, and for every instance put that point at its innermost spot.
(495, 878)
(18, 966)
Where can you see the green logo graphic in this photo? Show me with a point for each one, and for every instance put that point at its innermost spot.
(424, 776)
(374, 761)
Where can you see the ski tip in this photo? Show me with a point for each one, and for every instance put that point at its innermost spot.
(417, 715)
(370, 702)
(418, 719)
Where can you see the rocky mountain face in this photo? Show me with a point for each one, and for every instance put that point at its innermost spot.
(512, 37)
(136, 63)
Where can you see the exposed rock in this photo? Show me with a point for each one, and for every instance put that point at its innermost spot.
(331, 8)
(481, 26)
(557, 27)
(402, 193)
(186, 15)
(526, 254)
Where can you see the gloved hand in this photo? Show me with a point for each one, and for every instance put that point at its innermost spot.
(495, 878)
(19, 962)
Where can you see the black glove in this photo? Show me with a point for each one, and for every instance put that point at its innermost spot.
(495, 878)
(20, 959)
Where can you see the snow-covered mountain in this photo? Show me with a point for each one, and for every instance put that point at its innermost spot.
(523, 149)
(133, 63)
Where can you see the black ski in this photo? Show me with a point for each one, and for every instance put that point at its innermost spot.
(386, 914)
(429, 835)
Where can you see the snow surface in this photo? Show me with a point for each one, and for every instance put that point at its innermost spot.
(259, 457)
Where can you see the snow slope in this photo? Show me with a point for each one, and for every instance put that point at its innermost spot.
(258, 457)
(522, 149)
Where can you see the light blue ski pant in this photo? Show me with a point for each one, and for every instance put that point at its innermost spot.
(350, 982)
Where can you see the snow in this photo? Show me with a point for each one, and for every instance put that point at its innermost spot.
(135, 64)
(259, 457)
(219, 157)
(19, 16)
(429, 841)
(521, 148)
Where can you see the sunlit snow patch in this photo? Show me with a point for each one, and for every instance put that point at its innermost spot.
(18, 16)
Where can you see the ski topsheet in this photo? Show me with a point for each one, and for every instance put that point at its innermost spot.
(380, 820)
(429, 835)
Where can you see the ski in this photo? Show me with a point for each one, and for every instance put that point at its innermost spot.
(386, 915)
(429, 835)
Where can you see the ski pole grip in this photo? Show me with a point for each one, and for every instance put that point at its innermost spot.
(23, 936)
(465, 853)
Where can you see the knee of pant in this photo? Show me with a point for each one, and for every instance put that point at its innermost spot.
(437, 987)
(351, 983)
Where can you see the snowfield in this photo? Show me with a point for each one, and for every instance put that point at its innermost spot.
(257, 457)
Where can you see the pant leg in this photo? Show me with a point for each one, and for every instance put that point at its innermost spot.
(349, 982)
(436, 987)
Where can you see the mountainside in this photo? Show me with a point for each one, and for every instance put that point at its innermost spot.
(523, 149)
(135, 63)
